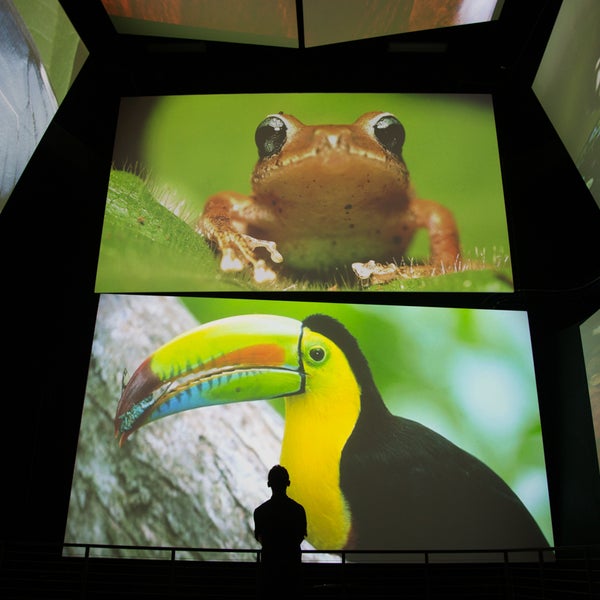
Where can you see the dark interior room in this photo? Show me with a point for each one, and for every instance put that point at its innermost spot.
(511, 91)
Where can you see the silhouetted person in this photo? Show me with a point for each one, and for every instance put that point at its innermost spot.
(280, 527)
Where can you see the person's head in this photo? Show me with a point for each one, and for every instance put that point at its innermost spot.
(278, 479)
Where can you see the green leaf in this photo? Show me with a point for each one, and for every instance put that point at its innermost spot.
(147, 248)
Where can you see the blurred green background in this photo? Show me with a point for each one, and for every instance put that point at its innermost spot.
(466, 373)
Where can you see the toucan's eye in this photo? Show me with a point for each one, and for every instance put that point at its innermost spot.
(270, 136)
(317, 354)
(390, 134)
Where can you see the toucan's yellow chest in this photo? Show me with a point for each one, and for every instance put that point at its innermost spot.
(317, 425)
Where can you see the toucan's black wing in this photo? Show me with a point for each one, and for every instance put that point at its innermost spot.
(410, 488)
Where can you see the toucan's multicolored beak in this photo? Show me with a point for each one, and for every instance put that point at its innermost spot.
(242, 358)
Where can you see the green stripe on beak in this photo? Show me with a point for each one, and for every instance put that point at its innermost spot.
(237, 359)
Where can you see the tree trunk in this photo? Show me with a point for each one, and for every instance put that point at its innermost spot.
(191, 479)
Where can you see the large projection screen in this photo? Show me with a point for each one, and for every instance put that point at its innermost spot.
(193, 479)
(41, 54)
(567, 84)
(590, 341)
(172, 153)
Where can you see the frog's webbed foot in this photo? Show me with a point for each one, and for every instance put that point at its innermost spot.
(238, 251)
(223, 223)
(372, 272)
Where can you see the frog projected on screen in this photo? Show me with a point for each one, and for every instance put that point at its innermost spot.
(325, 197)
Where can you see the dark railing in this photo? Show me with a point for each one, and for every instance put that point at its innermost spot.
(86, 571)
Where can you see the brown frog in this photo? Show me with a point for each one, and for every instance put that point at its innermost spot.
(325, 197)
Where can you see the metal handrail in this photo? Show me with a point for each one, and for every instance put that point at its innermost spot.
(78, 570)
(543, 554)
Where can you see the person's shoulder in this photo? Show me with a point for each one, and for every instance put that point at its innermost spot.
(296, 504)
(262, 507)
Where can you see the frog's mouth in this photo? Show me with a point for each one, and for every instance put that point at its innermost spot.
(337, 157)
(333, 175)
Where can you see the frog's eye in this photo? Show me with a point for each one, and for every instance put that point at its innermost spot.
(270, 136)
(390, 134)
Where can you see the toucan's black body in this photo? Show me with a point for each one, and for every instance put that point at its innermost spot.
(409, 487)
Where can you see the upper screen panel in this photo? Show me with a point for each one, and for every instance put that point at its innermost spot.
(348, 20)
(267, 22)
(274, 22)
(283, 192)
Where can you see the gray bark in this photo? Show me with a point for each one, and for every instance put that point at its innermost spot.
(189, 480)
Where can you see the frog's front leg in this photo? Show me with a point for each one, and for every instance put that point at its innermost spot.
(444, 239)
(224, 222)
